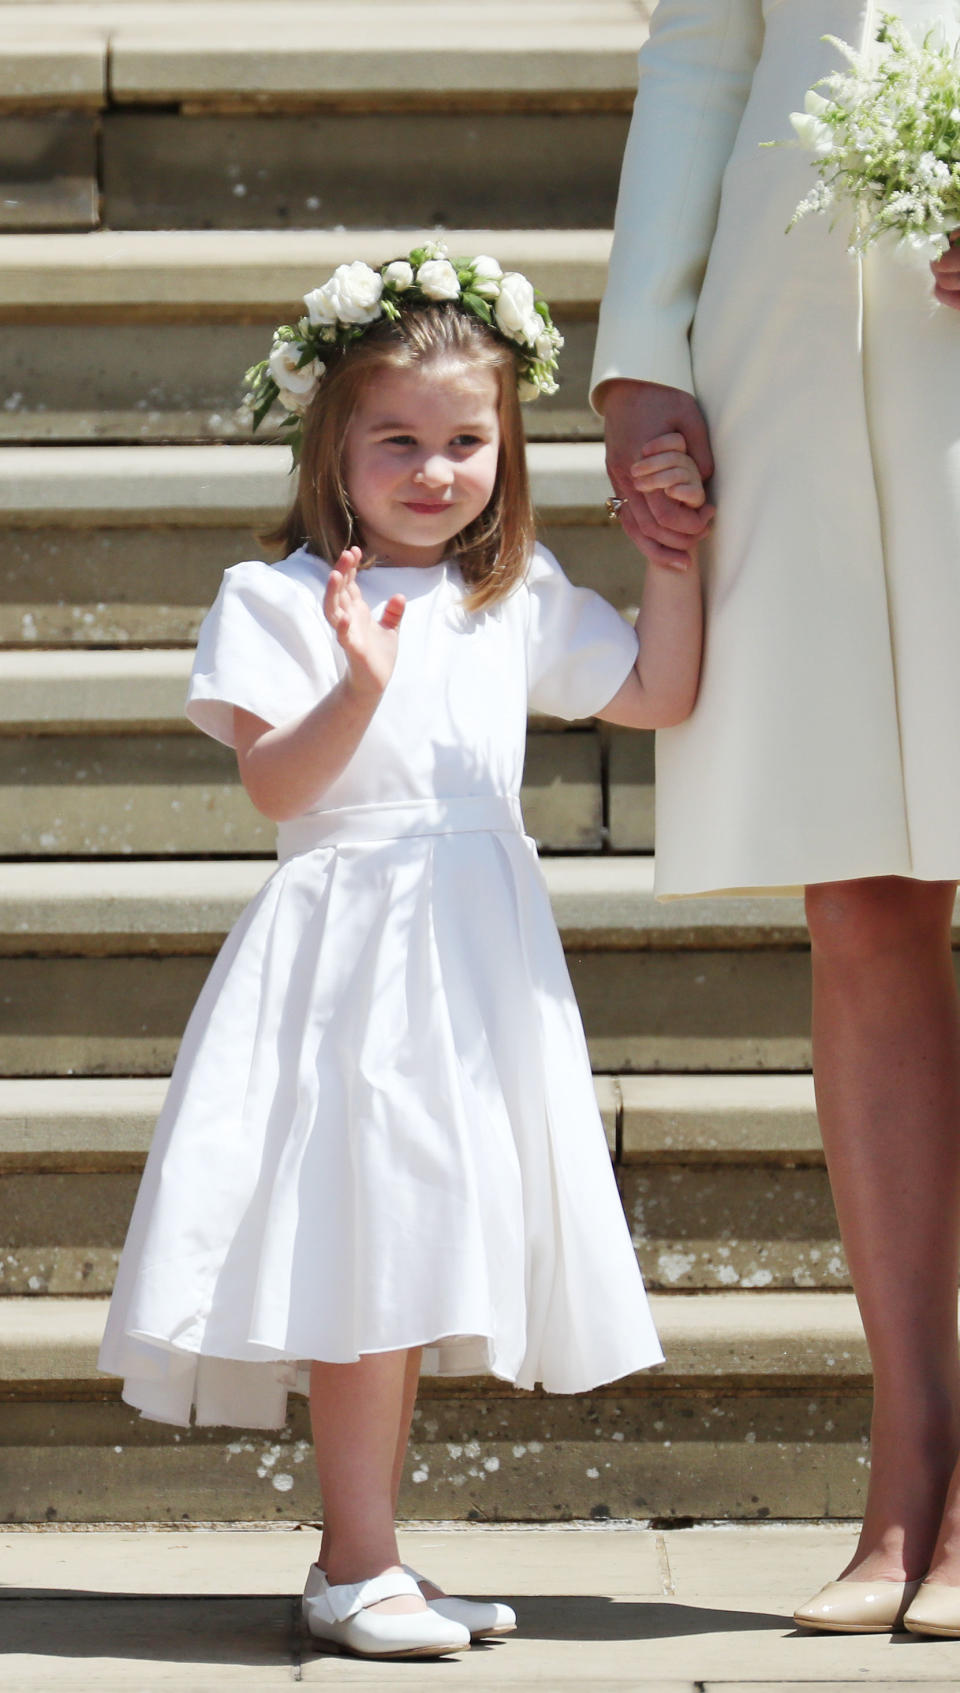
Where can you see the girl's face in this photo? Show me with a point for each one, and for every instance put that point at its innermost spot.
(420, 459)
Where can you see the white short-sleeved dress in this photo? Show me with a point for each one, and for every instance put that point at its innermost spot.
(381, 1130)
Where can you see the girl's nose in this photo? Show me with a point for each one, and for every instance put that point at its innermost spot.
(435, 473)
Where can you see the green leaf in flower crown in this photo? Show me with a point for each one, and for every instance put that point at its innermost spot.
(261, 409)
(417, 257)
(390, 309)
(478, 305)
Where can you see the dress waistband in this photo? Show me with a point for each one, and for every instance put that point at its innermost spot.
(356, 824)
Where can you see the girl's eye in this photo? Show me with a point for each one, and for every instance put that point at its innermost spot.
(399, 440)
(466, 440)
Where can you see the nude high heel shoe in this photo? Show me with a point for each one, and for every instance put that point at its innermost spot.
(935, 1610)
(859, 1607)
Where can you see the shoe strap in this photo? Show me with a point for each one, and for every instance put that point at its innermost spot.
(414, 1574)
(347, 1600)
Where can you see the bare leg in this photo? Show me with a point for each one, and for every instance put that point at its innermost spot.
(411, 1383)
(886, 1043)
(429, 1589)
(356, 1411)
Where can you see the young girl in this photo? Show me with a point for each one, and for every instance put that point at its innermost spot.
(381, 1151)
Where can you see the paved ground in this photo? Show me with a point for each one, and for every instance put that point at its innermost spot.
(689, 1611)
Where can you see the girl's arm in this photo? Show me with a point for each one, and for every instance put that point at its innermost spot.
(286, 769)
(662, 687)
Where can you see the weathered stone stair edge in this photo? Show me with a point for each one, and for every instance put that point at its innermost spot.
(179, 274)
(124, 907)
(82, 1122)
(75, 690)
(204, 51)
(217, 485)
(707, 1338)
(230, 54)
(70, 73)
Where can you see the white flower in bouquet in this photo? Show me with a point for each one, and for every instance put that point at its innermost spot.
(885, 138)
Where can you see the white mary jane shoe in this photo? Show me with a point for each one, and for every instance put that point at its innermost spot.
(339, 1616)
(480, 1618)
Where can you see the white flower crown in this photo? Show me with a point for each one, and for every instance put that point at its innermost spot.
(356, 297)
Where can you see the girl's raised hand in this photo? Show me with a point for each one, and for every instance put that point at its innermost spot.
(370, 646)
(664, 463)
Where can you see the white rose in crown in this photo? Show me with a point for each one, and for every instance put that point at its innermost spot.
(486, 277)
(297, 385)
(514, 308)
(438, 280)
(352, 295)
(398, 275)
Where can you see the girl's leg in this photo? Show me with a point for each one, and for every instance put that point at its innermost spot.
(429, 1589)
(356, 1412)
(886, 1044)
(411, 1382)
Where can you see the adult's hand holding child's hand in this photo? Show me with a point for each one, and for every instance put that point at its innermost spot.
(666, 464)
(636, 414)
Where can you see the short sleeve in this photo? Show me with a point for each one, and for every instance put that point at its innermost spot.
(579, 649)
(264, 645)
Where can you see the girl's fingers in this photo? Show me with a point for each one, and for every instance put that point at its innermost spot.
(662, 461)
(673, 442)
(667, 476)
(664, 443)
(393, 612)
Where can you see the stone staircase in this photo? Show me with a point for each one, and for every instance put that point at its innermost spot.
(177, 176)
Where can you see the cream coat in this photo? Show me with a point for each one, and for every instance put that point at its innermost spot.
(825, 744)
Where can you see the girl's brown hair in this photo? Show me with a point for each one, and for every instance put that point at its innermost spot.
(494, 550)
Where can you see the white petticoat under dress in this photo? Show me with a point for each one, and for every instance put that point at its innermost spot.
(381, 1130)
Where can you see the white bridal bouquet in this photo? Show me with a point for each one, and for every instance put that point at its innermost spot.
(885, 136)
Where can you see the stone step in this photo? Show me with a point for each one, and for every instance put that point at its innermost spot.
(97, 759)
(105, 960)
(761, 1409)
(101, 795)
(317, 115)
(176, 276)
(312, 52)
(110, 546)
(154, 330)
(755, 1213)
(69, 1124)
(188, 907)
